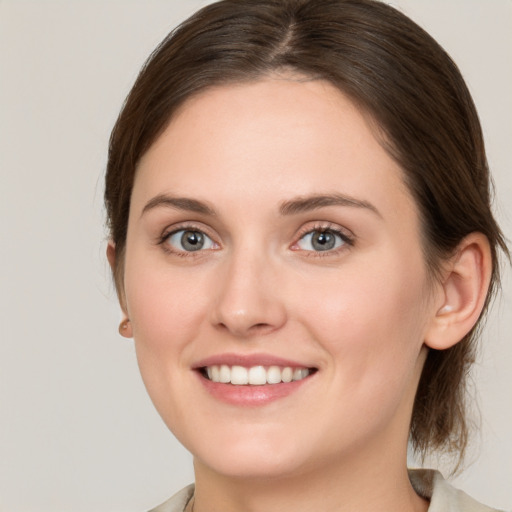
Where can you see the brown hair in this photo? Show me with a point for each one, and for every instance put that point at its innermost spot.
(397, 74)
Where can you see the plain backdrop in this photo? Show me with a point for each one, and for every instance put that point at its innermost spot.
(77, 431)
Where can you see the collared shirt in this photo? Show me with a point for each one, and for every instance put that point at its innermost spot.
(443, 497)
(427, 483)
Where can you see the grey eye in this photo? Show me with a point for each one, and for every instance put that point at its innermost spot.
(321, 240)
(189, 240)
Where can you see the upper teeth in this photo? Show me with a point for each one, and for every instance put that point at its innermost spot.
(255, 375)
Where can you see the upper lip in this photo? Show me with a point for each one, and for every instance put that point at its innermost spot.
(248, 360)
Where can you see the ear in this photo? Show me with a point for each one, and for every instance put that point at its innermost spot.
(463, 291)
(111, 255)
(125, 327)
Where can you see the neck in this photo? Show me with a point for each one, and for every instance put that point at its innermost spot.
(359, 483)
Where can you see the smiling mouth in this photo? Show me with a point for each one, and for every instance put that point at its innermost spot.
(254, 375)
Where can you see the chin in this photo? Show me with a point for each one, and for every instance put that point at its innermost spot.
(249, 457)
(264, 466)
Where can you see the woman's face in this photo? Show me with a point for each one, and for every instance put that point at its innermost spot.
(272, 238)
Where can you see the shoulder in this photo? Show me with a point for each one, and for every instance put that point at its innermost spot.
(176, 503)
(443, 497)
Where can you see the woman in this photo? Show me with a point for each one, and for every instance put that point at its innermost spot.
(303, 248)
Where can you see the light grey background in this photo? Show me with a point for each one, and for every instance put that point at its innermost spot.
(77, 431)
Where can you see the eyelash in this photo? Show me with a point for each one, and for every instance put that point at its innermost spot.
(182, 254)
(324, 227)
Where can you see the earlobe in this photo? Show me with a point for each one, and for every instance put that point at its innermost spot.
(125, 329)
(462, 294)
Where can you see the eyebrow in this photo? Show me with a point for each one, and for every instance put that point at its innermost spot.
(178, 203)
(314, 202)
(291, 207)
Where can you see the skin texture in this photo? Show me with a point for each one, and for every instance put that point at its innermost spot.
(360, 314)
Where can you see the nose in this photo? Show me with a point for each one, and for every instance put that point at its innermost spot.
(248, 301)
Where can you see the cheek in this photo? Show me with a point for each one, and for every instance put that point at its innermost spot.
(163, 305)
(369, 325)
(372, 315)
(166, 309)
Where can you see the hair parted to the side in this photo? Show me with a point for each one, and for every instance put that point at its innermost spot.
(397, 74)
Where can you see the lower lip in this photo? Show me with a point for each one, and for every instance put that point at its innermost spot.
(251, 396)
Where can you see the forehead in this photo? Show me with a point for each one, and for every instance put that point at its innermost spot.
(267, 140)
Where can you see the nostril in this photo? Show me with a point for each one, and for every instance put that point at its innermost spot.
(261, 328)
